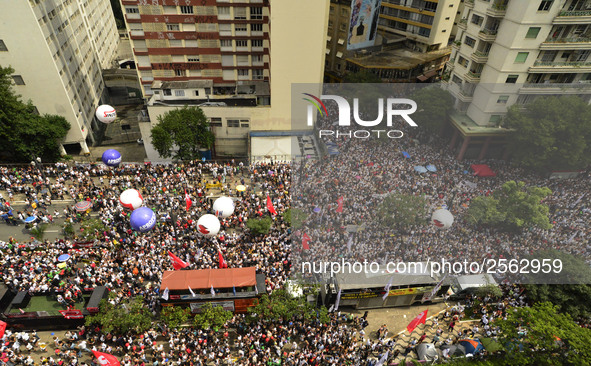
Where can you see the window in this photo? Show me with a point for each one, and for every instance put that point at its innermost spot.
(186, 10)
(532, 32)
(446, 18)
(256, 13)
(257, 74)
(244, 123)
(502, 99)
(130, 10)
(240, 27)
(179, 93)
(521, 57)
(545, 5)
(257, 43)
(179, 72)
(462, 61)
(476, 19)
(173, 27)
(239, 13)
(511, 79)
(233, 122)
(226, 43)
(3, 46)
(166, 92)
(469, 41)
(243, 72)
(330, 23)
(343, 26)
(215, 122)
(18, 80)
(456, 79)
(223, 10)
(495, 118)
(192, 58)
(241, 43)
(256, 27)
(257, 59)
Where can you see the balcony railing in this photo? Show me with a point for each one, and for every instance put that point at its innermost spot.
(480, 54)
(579, 85)
(469, 3)
(575, 13)
(568, 40)
(563, 64)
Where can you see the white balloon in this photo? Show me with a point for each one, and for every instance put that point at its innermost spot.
(223, 207)
(442, 218)
(105, 113)
(208, 225)
(131, 199)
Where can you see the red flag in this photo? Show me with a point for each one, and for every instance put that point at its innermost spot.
(222, 263)
(270, 206)
(340, 202)
(188, 200)
(2, 328)
(420, 319)
(105, 359)
(305, 239)
(177, 263)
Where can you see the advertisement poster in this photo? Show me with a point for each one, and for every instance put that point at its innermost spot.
(363, 25)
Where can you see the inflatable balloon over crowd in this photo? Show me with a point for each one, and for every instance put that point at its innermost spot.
(208, 225)
(223, 207)
(143, 219)
(442, 218)
(111, 157)
(131, 199)
(106, 114)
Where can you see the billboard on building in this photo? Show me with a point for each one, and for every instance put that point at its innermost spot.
(363, 25)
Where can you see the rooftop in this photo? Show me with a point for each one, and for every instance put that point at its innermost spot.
(401, 58)
(468, 127)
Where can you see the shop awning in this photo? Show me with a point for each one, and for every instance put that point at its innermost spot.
(483, 170)
(206, 278)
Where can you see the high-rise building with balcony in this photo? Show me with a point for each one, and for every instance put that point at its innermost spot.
(509, 52)
(57, 50)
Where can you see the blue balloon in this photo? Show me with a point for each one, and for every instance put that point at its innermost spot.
(143, 219)
(111, 157)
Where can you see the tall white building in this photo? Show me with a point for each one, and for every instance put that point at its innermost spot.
(512, 51)
(57, 49)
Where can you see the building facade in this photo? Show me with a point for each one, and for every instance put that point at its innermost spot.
(225, 57)
(57, 50)
(510, 52)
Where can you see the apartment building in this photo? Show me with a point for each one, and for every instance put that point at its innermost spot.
(57, 49)
(511, 52)
(411, 44)
(224, 56)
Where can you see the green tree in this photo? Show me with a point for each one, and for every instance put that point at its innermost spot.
(490, 289)
(551, 133)
(281, 305)
(174, 316)
(129, 316)
(434, 106)
(259, 226)
(539, 335)
(212, 316)
(512, 207)
(363, 76)
(402, 210)
(116, 6)
(184, 128)
(92, 229)
(294, 217)
(25, 134)
(38, 232)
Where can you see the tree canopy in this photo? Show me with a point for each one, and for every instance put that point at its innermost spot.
(280, 305)
(363, 76)
(180, 133)
(512, 207)
(25, 134)
(131, 316)
(259, 226)
(551, 133)
(212, 316)
(402, 210)
(433, 108)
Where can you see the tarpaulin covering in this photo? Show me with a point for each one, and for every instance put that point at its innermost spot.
(206, 278)
(482, 170)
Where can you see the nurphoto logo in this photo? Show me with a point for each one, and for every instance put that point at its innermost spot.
(394, 107)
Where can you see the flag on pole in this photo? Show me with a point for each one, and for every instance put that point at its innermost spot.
(165, 294)
(256, 289)
(191, 291)
(270, 206)
(105, 359)
(212, 291)
(383, 360)
(234, 290)
(350, 242)
(222, 262)
(336, 303)
(305, 239)
(177, 263)
(420, 319)
(188, 200)
(430, 295)
(340, 204)
(2, 328)
(387, 288)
